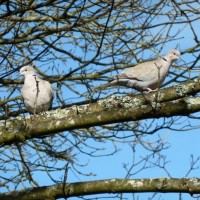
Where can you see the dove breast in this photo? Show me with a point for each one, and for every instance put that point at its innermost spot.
(37, 93)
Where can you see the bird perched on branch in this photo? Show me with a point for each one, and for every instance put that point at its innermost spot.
(147, 76)
(37, 93)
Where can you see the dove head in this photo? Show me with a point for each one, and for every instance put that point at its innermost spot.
(27, 70)
(173, 55)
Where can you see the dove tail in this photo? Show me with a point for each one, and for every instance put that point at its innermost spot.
(103, 86)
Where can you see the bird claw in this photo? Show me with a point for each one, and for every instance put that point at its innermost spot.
(150, 90)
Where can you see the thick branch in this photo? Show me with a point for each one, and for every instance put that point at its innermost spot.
(169, 185)
(115, 109)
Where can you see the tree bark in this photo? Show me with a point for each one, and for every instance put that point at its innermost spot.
(168, 102)
(65, 190)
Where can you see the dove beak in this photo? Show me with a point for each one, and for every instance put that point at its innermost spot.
(21, 72)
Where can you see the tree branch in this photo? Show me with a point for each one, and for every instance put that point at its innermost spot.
(162, 185)
(115, 109)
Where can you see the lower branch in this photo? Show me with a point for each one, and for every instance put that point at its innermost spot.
(66, 190)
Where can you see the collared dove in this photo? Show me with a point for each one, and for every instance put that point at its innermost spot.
(147, 76)
(37, 93)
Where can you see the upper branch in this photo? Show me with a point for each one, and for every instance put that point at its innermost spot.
(165, 103)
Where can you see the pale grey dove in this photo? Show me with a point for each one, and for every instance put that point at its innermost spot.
(37, 93)
(147, 76)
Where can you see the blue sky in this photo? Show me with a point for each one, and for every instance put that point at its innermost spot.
(181, 144)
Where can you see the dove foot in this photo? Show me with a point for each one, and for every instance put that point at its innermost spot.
(150, 90)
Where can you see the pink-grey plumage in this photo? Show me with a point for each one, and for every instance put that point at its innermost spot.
(147, 76)
(37, 93)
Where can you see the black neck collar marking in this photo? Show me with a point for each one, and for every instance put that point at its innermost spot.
(164, 59)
